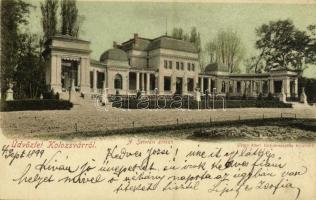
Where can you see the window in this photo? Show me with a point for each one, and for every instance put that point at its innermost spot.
(238, 87)
(100, 80)
(167, 83)
(165, 64)
(118, 81)
(223, 87)
(129, 61)
(170, 64)
(193, 66)
(190, 84)
(277, 86)
(182, 66)
(189, 66)
(231, 84)
(177, 65)
(91, 79)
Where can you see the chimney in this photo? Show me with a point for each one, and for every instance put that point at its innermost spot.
(114, 44)
(135, 36)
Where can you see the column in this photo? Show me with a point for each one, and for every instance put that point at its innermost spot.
(84, 75)
(243, 88)
(126, 83)
(296, 87)
(287, 88)
(209, 85)
(78, 70)
(260, 87)
(202, 85)
(219, 86)
(271, 86)
(55, 76)
(156, 81)
(173, 83)
(53, 71)
(148, 83)
(185, 85)
(227, 86)
(161, 84)
(143, 81)
(95, 81)
(234, 87)
(137, 80)
(105, 80)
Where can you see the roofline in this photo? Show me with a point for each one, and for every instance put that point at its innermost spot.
(156, 38)
(65, 37)
(132, 39)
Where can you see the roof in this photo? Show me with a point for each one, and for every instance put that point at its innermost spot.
(66, 38)
(140, 44)
(114, 54)
(95, 62)
(163, 42)
(214, 67)
(166, 42)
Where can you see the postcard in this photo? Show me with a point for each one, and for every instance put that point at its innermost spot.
(158, 100)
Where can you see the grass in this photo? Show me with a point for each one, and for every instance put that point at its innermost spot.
(186, 130)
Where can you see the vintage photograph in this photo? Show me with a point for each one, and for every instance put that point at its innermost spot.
(93, 69)
(82, 74)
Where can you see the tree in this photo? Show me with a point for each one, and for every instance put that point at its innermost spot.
(49, 18)
(14, 14)
(29, 75)
(193, 37)
(281, 44)
(69, 18)
(226, 49)
(179, 34)
(311, 48)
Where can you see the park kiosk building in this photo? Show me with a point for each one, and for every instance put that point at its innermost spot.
(164, 63)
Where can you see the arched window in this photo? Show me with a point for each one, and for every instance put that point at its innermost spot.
(118, 82)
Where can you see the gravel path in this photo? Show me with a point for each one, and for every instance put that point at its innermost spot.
(88, 118)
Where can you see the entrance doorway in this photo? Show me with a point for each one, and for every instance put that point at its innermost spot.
(69, 74)
(277, 87)
(179, 82)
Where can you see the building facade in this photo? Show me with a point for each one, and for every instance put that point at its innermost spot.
(164, 64)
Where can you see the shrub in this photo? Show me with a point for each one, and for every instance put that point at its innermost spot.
(35, 104)
(49, 94)
(57, 96)
(134, 103)
(270, 96)
(259, 96)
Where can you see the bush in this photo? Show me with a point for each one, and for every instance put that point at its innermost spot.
(49, 94)
(270, 96)
(35, 104)
(134, 103)
(259, 96)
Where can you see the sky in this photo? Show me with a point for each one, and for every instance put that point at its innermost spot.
(106, 22)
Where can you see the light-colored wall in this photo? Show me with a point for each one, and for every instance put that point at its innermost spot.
(160, 55)
(137, 58)
(64, 49)
(70, 44)
(111, 75)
